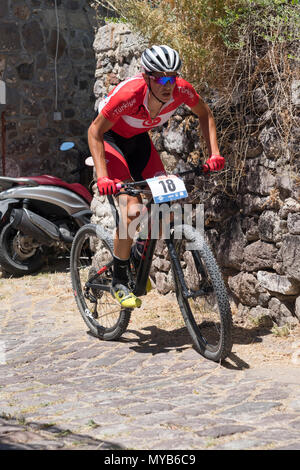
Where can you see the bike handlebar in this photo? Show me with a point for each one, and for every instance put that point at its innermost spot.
(196, 170)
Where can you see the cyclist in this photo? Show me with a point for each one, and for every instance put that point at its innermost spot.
(122, 149)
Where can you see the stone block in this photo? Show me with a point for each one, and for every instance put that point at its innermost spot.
(130, 44)
(31, 107)
(290, 255)
(276, 283)
(230, 251)
(271, 142)
(175, 139)
(250, 228)
(290, 206)
(21, 11)
(243, 287)
(77, 128)
(10, 39)
(284, 183)
(33, 38)
(251, 204)
(52, 44)
(49, 18)
(163, 283)
(105, 39)
(259, 255)
(220, 208)
(279, 311)
(269, 226)
(258, 179)
(26, 71)
(261, 315)
(190, 273)
(293, 223)
(162, 264)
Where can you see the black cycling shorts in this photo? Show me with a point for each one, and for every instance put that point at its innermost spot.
(134, 158)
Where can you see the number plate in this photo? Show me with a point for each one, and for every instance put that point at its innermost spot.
(167, 188)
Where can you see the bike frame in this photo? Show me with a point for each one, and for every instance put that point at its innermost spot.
(146, 261)
(147, 256)
(144, 266)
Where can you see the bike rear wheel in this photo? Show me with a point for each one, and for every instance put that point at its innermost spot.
(204, 304)
(91, 263)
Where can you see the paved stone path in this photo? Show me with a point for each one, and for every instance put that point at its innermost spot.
(61, 388)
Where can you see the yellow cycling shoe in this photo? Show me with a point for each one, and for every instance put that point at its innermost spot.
(126, 298)
(148, 285)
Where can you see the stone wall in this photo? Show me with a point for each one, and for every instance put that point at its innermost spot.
(28, 40)
(255, 236)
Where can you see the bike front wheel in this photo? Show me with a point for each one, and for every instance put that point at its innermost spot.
(201, 294)
(91, 266)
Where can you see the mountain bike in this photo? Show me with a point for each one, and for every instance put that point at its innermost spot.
(202, 299)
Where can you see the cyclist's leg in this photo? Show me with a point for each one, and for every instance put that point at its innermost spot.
(129, 206)
(143, 159)
(134, 158)
(155, 167)
(117, 167)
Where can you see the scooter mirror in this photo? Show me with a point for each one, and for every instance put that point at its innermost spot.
(67, 146)
(89, 161)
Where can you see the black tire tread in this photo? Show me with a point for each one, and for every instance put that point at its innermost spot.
(124, 318)
(206, 254)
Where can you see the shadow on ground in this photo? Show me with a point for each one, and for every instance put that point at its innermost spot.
(39, 436)
(52, 264)
(154, 340)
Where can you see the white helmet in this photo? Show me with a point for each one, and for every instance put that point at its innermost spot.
(160, 59)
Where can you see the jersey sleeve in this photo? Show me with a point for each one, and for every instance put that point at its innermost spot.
(188, 93)
(119, 102)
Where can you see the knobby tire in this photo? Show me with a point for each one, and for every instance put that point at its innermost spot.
(83, 267)
(205, 263)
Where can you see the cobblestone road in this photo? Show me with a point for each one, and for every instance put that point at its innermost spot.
(61, 388)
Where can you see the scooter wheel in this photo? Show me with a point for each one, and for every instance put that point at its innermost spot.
(11, 261)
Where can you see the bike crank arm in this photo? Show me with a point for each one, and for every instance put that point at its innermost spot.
(93, 285)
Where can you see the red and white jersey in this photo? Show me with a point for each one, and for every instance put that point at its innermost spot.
(127, 105)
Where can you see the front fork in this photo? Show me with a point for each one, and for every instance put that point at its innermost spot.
(186, 293)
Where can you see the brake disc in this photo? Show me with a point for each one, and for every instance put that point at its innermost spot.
(24, 246)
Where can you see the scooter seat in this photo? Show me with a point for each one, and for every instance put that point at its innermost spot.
(54, 181)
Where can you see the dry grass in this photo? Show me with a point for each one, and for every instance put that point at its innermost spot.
(259, 60)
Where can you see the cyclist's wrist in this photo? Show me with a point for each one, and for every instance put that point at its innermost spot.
(102, 177)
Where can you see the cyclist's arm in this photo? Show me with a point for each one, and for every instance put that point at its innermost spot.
(208, 126)
(96, 143)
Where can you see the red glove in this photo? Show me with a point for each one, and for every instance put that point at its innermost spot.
(107, 185)
(214, 163)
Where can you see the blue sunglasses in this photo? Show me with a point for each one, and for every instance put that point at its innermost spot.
(164, 80)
